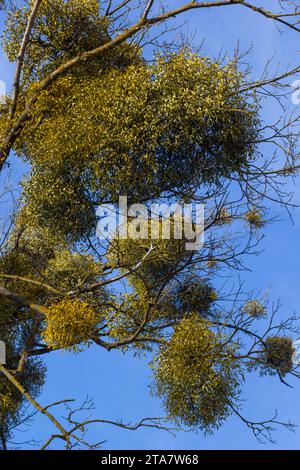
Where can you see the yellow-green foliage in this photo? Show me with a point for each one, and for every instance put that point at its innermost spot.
(17, 263)
(3, 120)
(131, 310)
(254, 218)
(68, 270)
(7, 402)
(62, 29)
(126, 317)
(196, 375)
(39, 240)
(190, 296)
(278, 354)
(10, 403)
(184, 110)
(58, 202)
(253, 308)
(140, 130)
(159, 263)
(69, 323)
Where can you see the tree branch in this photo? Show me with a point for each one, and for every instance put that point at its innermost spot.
(20, 58)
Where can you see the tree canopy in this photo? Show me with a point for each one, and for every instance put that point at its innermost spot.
(94, 118)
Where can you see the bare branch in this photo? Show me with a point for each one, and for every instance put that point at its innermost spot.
(20, 57)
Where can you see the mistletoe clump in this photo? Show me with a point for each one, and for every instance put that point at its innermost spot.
(196, 294)
(188, 295)
(255, 309)
(278, 354)
(141, 130)
(196, 375)
(69, 323)
(63, 29)
(69, 270)
(254, 218)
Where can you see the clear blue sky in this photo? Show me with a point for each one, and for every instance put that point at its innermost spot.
(118, 383)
